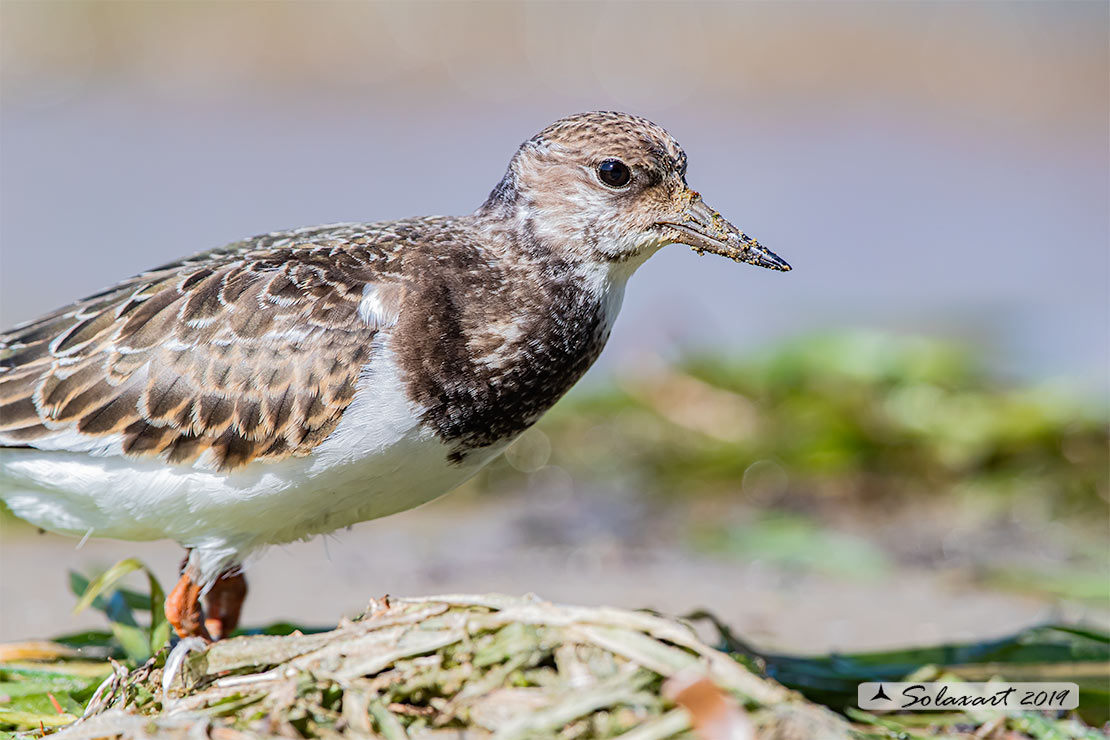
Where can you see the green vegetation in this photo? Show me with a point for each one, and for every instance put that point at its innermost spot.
(848, 418)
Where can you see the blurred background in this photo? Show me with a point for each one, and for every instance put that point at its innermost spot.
(902, 441)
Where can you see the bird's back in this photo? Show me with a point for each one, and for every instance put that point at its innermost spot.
(243, 353)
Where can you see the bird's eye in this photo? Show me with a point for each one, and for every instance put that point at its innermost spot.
(614, 173)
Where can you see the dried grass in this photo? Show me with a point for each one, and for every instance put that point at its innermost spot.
(459, 667)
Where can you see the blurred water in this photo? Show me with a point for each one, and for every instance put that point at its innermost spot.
(909, 195)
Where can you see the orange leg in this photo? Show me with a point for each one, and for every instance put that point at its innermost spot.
(183, 609)
(224, 602)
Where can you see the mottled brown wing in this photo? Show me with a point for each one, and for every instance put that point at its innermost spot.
(247, 353)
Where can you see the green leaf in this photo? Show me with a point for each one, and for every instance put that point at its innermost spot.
(118, 604)
(78, 584)
(32, 720)
(105, 581)
(58, 669)
(135, 641)
(97, 639)
(159, 625)
(54, 684)
(159, 636)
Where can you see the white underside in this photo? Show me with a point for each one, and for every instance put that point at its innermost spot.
(378, 461)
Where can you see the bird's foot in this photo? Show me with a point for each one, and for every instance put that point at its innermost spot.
(224, 603)
(175, 661)
(183, 609)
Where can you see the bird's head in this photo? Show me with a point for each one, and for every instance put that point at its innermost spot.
(612, 187)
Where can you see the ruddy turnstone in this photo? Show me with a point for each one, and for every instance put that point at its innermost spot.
(297, 382)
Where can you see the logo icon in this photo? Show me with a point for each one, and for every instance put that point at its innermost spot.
(880, 694)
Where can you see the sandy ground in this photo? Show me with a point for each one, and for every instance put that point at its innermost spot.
(575, 551)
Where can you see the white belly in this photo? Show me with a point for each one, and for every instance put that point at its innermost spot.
(378, 461)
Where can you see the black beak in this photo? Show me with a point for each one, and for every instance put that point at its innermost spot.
(704, 230)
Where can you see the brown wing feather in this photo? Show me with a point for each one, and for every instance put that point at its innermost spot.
(247, 353)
